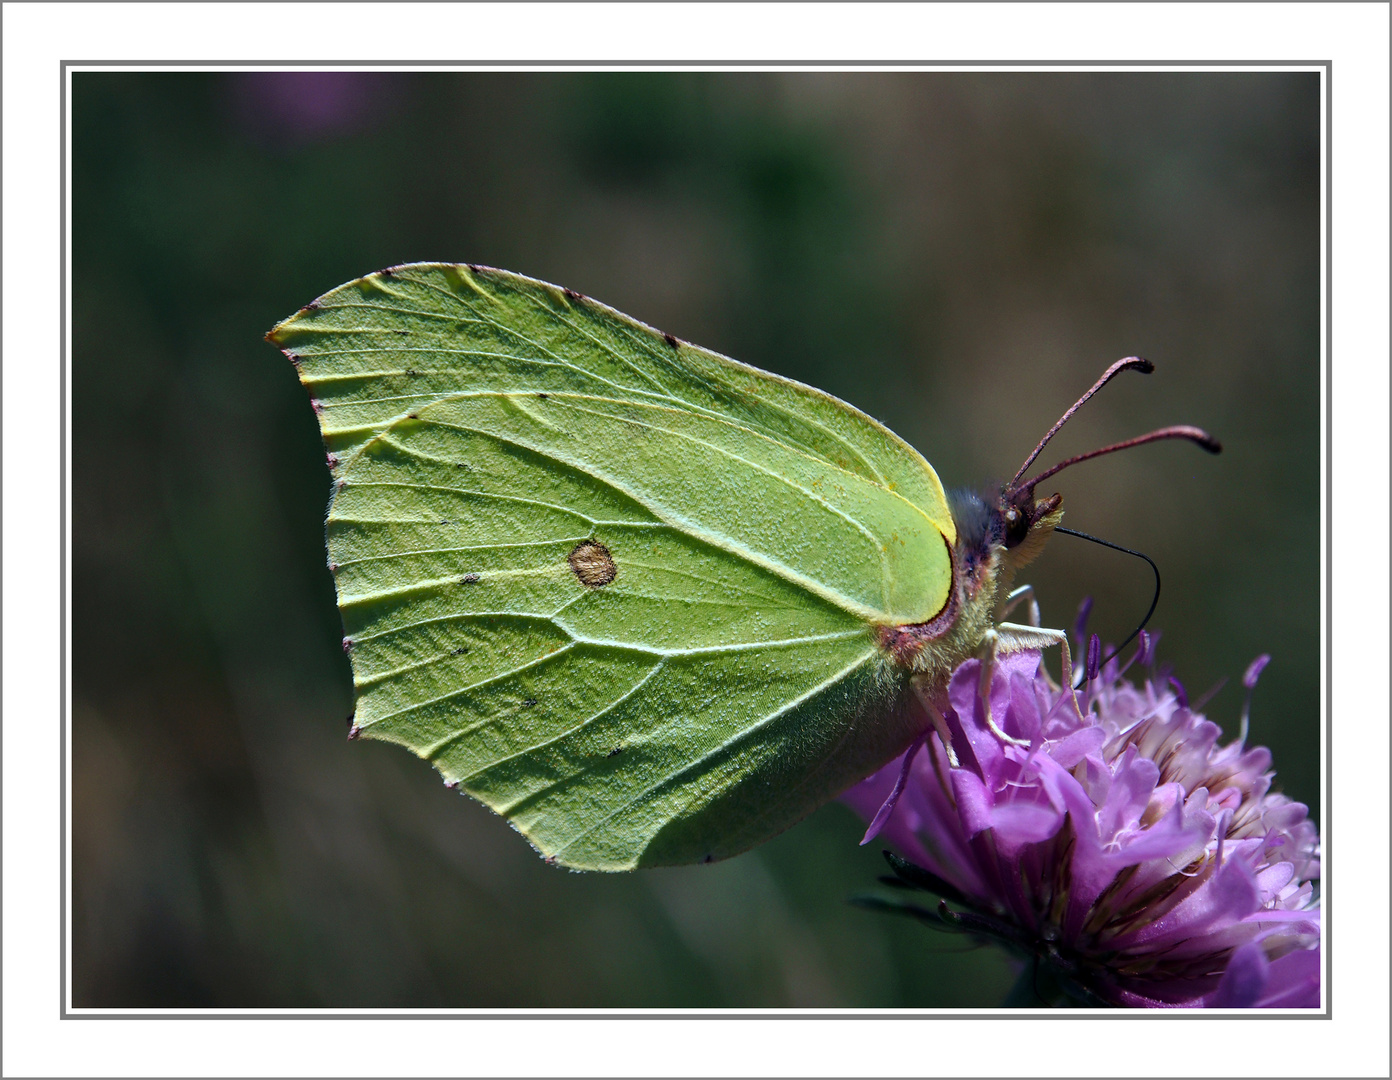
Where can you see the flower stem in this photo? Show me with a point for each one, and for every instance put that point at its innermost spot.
(1038, 988)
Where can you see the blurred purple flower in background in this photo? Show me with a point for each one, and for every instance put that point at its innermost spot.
(290, 107)
(1130, 858)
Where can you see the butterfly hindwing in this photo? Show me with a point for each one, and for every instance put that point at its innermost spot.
(621, 589)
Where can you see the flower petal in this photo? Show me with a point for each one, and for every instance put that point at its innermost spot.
(1222, 901)
(1293, 981)
(1243, 982)
(1022, 823)
(892, 799)
(983, 749)
(1133, 781)
(973, 802)
(1071, 749)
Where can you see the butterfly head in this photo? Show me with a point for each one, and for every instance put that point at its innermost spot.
(1006, 529)
(1026, 522)
(1023, 520)
(999, 533)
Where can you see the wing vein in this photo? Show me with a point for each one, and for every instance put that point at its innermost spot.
(358, 484)
(570, 730)
(490, 681)
(703, 534)
(605, 346)
(695, 765)
(785, 480)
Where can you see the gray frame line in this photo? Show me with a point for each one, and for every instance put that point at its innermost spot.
(1326, 68)
(1326, 829)
(783, 65)
(63, 553)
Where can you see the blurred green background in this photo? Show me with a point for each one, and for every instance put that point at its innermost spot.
(958, 254)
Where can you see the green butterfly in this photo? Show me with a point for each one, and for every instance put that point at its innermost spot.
(651, 605)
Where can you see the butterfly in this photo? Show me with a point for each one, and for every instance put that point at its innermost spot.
(651, 605)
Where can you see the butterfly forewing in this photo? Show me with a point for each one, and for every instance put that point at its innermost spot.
(621, 589)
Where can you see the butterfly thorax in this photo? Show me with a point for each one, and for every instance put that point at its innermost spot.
(995, 538)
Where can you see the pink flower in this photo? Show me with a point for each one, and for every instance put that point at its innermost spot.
(1135, 860)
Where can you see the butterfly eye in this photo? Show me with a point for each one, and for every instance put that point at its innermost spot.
(1017, 520)
(1016, 528)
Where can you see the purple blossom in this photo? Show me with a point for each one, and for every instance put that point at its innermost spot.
(1135, 859)
(296, 107)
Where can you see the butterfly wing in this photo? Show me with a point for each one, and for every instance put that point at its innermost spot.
(621, 589)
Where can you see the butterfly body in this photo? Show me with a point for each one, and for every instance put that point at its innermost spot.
(651, 605)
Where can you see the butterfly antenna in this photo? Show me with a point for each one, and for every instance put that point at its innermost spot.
(1155, 599)
(1130, 363)
(1178, 431)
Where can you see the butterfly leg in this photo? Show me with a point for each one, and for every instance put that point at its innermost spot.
(939, 721)
(1013, 601)
(992, 646)
(1013, 637)
(1020, 638)
(1016, 597)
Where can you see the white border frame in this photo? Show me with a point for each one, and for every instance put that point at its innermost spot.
(39, 37)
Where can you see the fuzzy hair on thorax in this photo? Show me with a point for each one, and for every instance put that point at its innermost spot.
(983, 571)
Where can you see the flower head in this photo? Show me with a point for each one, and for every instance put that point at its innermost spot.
(1127, 851)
